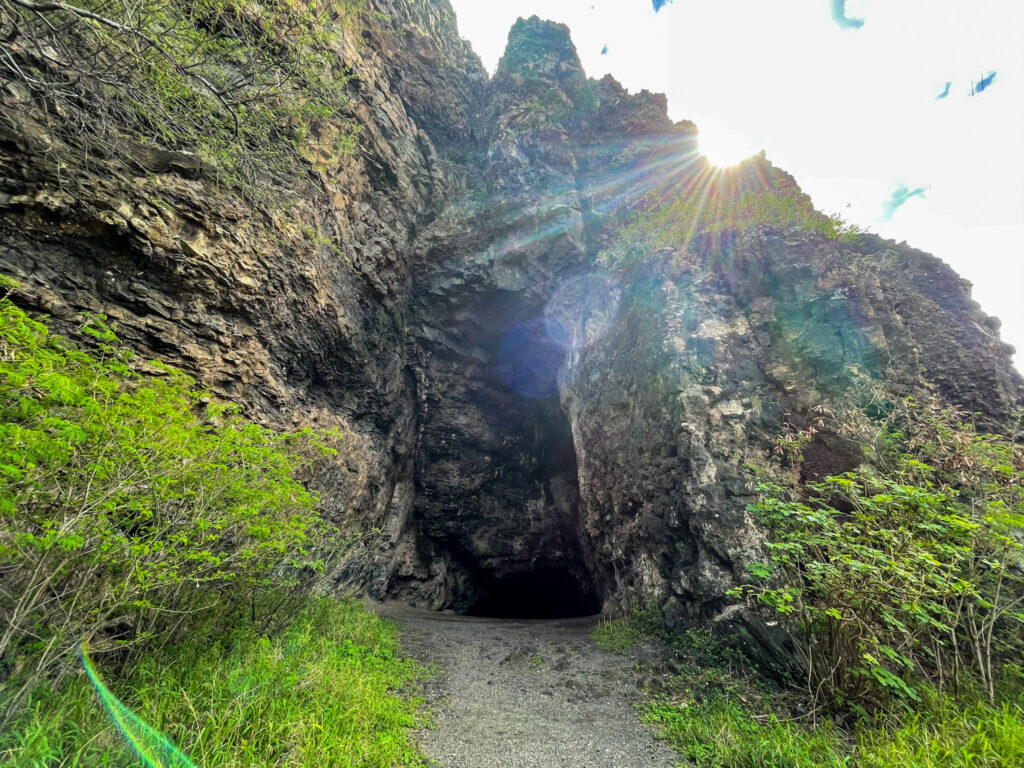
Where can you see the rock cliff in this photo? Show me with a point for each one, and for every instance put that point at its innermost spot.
(549, 379)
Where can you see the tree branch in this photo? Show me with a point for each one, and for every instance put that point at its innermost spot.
(54, 6)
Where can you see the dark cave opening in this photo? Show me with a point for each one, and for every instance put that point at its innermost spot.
(555, 582)
(497, 499)
(549, 593)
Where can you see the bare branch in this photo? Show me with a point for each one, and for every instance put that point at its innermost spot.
(82, 13)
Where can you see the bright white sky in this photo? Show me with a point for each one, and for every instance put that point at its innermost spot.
(851, 113)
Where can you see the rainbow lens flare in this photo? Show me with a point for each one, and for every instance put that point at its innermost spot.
(155, 749)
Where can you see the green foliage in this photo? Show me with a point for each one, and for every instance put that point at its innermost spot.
(723, 733)
(685, 212)
(133, 511)
(706, 214)
(242, 85)
(316, 695)
(904, 573)
(711, 203)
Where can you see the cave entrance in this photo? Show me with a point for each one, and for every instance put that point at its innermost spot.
(497, 504)
(549, 593)
(552, 580)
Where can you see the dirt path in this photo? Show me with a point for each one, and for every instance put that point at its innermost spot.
(527, 694)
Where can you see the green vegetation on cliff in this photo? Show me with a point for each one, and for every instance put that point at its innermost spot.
(902, 583)
(237, 87)
(711, 210)
(713, 202)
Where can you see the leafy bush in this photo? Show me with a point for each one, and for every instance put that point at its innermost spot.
(904, 572)
(134, 511)
(319, 693)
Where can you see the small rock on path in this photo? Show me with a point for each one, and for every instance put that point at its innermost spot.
(526, 694)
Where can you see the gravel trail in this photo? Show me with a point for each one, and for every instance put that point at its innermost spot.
(527, 694)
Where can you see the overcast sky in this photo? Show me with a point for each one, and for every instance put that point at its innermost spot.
(847, 100)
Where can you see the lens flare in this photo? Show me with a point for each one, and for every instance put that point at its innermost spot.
(723, 145)
(155, 749)
(531, 355)
(613, 184)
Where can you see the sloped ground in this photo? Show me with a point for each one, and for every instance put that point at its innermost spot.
(527, 694)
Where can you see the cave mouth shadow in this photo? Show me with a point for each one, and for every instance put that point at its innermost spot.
(545, 593)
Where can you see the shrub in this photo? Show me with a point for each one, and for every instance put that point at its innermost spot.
(133, 511)
(905, 571)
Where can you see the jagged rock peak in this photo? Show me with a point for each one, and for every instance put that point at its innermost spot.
(540, 66)
(540, 48)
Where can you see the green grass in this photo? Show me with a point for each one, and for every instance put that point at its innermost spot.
(720, 732)
(948, 736)
(320, 693)
(621, 634)
(617, 634)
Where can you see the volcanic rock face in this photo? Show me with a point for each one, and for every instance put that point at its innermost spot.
(297, 314)
(548, 409)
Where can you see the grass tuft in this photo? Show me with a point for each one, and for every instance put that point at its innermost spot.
(637, 628)
(617, 634)
(719, 733)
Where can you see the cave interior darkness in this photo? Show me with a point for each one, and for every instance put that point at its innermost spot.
(560, 584)
(516, 534)
(548, 593)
